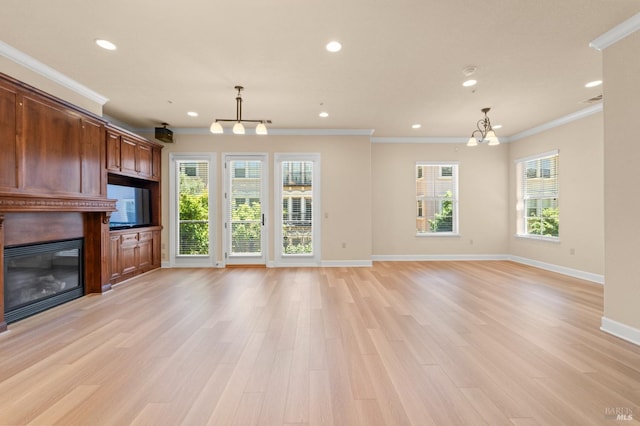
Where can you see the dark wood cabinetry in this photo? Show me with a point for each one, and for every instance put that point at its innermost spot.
(134, 161)
(131, 155)
(48, 147)
(134, 252)
(56, 161)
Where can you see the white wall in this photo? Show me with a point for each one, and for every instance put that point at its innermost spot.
(483, 211)
(345, 186)
(581, 180)
(622, 200)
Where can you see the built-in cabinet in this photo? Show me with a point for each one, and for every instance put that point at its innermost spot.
(130, 155)
(133, 252)
(133, 160)
(56, 162)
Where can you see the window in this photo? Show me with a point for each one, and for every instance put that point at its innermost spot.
(297, 181)
(191, 210)
(538, 207)
(193, 207)
(436, 198)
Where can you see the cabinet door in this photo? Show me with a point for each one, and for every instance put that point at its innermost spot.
(145, 251)
(113, 151)
(144, 161)
(157, 249)
(128, 156)
(9, 169)
(128, 247)
(156, 162)
(115, 257)
(50, 140)
(92, 157)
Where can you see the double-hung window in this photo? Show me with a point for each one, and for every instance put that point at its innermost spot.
(436, 198)
(538, 201)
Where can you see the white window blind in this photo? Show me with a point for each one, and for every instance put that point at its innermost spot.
(245, 212)
(436, 198)
(297, 204)
(538, 195)
(193, 207)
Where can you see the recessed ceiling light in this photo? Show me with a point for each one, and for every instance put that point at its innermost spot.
(106, 44)
(497, 126)
(323, 114)
(470, 83)
(416, 126)
(334, 46)
(594, 83)
(192, 114)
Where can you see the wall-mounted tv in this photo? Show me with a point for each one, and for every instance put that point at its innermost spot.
(133, 206)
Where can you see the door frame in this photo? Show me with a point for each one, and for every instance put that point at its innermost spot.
(176, 260)
(314, 259)
(264, 203)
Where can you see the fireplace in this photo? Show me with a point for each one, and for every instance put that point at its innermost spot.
(40, 276)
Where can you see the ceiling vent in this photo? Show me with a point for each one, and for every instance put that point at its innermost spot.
(593, 100)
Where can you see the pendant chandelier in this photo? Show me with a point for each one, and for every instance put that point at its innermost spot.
(484, 132)
(238, 127)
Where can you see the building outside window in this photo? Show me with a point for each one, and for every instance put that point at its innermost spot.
(538, 196)
(436, 198)
(193, 207)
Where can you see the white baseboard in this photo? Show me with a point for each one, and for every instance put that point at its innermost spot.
(432, 257)
(623, 331)
(588, 276)
(346, 263)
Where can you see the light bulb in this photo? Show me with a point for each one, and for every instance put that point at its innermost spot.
(216, 128)
(238, 128)
(261, 129)
(472, 141)
(492, 138)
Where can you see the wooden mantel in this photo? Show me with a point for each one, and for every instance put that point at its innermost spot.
(39, 203)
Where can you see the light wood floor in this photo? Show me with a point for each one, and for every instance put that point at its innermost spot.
(399, 343)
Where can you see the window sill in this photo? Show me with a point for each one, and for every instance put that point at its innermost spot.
(438, 234)
(555, 240)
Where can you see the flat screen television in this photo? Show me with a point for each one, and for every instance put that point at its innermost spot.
(133, 206)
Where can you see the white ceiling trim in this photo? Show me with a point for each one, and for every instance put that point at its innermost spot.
(617, 33)
(34, 65)
(420, 140)
(272, 132)
(578, 115)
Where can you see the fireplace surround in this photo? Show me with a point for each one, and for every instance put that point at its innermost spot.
(40, 276)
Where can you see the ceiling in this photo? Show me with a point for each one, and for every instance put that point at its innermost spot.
(401, 61)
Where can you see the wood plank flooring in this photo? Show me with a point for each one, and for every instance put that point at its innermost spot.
(400, 343)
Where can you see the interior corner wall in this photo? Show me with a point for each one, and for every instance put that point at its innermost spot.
(345, 186)
(622, 203)
(483, 209)
(43, 83)
(581, 169)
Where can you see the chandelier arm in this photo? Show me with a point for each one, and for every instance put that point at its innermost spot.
(483, 129)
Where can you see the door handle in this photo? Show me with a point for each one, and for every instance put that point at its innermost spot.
(262, 219)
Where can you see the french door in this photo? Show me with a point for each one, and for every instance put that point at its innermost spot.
(246, 206)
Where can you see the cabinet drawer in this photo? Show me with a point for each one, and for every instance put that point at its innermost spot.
(145, 236)
(128, 240)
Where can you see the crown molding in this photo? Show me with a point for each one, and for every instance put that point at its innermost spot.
(272, 132)
(578, 115)
(420, 140)
(38, 67)
(617, 33)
